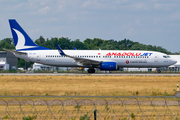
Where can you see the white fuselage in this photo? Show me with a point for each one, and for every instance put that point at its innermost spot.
(123, 58)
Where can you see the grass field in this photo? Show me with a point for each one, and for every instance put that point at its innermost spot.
(72, 113)
(89, 85)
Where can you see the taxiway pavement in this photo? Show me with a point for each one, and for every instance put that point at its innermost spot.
(84, 74)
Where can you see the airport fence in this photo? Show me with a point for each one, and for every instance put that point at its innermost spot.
(89, 108)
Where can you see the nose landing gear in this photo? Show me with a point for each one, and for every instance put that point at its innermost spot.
(91, 70)
(158, 70)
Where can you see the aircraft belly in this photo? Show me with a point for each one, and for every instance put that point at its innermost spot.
(60, 62)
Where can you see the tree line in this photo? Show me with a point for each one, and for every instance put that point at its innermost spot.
(88, 44)
(96, 43)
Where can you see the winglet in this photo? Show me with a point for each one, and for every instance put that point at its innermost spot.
(75, 48)
(60, 50)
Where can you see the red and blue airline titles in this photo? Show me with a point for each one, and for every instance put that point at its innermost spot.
(128, 54)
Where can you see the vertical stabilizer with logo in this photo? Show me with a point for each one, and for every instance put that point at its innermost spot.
(21, 40)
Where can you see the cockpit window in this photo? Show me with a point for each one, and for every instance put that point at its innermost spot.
(166, 56)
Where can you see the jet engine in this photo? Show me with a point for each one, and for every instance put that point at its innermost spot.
(108, 66)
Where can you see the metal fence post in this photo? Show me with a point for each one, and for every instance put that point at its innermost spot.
(95, 114)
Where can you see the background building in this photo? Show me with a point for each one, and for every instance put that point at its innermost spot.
(8, 61)
(175, 67)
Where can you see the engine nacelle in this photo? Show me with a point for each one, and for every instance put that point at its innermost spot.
(108, 66)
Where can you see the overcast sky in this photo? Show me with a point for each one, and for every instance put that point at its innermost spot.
(154, 22)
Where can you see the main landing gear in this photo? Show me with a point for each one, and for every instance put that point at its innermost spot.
(91, 70)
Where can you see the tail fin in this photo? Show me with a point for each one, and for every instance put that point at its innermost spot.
(21, 40)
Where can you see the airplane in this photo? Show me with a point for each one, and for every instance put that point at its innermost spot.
(108, 60)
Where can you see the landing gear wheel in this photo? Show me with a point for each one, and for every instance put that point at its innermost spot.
(91, 70)
(159, 71)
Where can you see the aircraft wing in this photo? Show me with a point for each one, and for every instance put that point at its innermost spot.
(82, 61)
(15, 52)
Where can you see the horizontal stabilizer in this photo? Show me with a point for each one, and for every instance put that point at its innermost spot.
(15, 52)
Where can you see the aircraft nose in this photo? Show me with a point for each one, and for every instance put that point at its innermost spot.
(173, 61)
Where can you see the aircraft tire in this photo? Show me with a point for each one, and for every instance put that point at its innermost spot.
(159, 71)
(91, 70)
